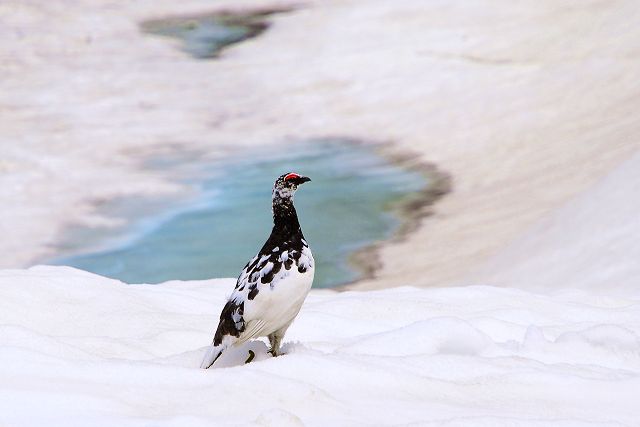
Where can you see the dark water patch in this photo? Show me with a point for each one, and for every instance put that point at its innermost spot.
(357, 198)
(205, 36)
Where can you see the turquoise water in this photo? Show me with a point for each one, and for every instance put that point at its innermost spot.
(206, 35)
(213, 234)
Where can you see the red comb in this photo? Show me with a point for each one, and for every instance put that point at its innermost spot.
(291, 176)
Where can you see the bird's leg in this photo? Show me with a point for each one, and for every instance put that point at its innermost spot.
(250, 358)
(274, 340)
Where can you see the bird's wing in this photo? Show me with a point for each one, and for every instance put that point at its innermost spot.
(252, 330)
(240, 310)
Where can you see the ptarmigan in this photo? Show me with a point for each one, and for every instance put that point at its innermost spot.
(273, 285)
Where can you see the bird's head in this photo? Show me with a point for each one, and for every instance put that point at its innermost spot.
(288, 183)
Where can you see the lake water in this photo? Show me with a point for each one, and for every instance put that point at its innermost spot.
(226, 215)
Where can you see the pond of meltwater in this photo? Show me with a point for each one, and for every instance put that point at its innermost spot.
(347, 206)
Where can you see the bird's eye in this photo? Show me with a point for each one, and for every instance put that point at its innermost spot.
(291, 176)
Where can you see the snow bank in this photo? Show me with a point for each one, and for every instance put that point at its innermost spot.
(592, 242)
(79, 349)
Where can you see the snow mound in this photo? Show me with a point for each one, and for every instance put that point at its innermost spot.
(80, 349)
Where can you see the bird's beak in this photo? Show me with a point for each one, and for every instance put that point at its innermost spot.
(302, 180)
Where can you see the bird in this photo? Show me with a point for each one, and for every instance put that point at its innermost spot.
(273, 285)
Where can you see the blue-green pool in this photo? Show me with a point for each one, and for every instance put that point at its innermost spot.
(205, 36)
(227, 216)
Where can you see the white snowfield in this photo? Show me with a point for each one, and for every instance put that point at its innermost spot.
(82, 350)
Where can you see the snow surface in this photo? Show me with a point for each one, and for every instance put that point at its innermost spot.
(592, 242)
(80, 349)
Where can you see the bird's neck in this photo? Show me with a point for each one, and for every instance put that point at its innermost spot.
(285, 217)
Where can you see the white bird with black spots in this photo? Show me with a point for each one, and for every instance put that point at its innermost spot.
(273, 285)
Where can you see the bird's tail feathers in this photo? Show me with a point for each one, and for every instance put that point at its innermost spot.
(211, 356)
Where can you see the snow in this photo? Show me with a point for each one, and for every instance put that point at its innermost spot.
(591, 242)
(80, 349)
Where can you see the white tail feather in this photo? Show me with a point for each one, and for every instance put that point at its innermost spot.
(212, 354)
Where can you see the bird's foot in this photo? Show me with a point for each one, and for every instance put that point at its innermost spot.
(275, 353)
(250, 358)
